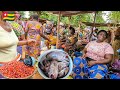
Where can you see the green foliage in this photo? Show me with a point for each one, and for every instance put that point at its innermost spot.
(75, 19)
(99, 18)
(22, 13)
(114, 16)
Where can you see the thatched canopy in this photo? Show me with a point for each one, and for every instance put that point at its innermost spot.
(100, 24)
(70, 13)
(42, 20)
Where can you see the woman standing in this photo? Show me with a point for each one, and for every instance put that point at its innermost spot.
(18, 29)
(34, 31)
(9, 42)
(96, 56)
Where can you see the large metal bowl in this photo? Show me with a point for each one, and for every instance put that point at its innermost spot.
(42, 57)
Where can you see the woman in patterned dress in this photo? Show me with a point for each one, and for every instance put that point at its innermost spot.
(34, 31)
(71, 40)
(99, 53)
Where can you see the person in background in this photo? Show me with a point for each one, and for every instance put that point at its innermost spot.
(83, 39)
(31, 18)
(54, 30)
(62, 29)
(16, 26)
(34, 31)
(50, 34)
(97, 55)
(62, 40)
(116, 43)
(108, 40)
(94, 36)
(71, 40)
(48, 27)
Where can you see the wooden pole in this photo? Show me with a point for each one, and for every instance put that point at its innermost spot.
(58, 27)
(93, 25)
(79, 29)
(69, 18)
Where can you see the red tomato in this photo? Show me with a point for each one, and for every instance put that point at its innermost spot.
(16, 69)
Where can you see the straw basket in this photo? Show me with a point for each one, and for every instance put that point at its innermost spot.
(28, 77)
(42, 57)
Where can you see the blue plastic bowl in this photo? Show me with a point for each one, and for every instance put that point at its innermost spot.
(41, 58)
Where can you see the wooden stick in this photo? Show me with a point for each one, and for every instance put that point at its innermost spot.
(58, 27)
(69, 18)
(79, 29)
(93, 26)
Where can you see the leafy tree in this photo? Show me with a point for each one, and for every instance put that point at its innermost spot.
(22, 13)
(75, 19)
(114, 17)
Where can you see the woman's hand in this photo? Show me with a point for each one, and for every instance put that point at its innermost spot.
(31, 42)
(83, 56)
(91, 63)
(49, 40)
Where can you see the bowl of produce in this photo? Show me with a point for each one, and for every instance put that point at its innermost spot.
(55, 64)
(17, 70)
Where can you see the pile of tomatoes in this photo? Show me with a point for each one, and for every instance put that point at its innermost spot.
(16, 69)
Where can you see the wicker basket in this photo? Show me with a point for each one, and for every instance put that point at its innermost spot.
(28, 77)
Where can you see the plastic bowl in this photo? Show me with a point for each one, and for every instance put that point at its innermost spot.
(42, 57)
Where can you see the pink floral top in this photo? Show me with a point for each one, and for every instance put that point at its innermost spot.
(97, 51)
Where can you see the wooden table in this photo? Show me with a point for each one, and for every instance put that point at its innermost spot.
(37, 76)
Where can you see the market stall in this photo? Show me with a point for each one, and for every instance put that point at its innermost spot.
(68, 14)
(100, 24)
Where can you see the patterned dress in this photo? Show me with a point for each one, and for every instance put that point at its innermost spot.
(70, 40)
(33, 29)
(96, 51)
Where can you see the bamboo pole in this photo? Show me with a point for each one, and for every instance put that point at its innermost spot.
(58, 27)
(93, 25)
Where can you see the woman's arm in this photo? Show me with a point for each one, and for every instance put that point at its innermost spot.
(84, 52)
(108, 59)
(21, 43)
(26, 42)
(44, 37)
(72, 43)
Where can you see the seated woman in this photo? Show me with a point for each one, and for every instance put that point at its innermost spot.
(49, 34)
(53, 39)
(96, 56)
(62, 40)
(71, 40)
